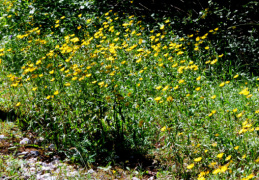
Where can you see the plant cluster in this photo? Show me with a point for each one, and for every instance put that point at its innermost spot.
(112, 84)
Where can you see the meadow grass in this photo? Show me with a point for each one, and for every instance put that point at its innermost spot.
(113, 85)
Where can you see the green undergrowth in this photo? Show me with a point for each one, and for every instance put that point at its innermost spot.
(115, 88)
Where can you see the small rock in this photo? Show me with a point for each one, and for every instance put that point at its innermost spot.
(35, 153)
(52, 147)
(2, 137)
(41, 139)
(46, 168)
(22, 153)
(90, 171)
(134, 178)
(25, 141)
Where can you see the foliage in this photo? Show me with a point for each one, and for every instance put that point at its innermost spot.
(110, 85)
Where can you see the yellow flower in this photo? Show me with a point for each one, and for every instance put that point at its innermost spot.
(198, 159)
(236, 76)
(163, 129)
(214, 144)
(213, 97)
(223, 169)
(181, 81)
(220, 155)
(198, 78)
(158, 87)
(250, 95)
(56, 92)
(74, 78)
(212, 164)
(213, 111)
(157, 98)
(239, 115)
(169, 98)
(48, 97)
(235, 110)
(162, 27)
(190, 166)
(51, 72)
(245, 92)
(201, 178)
(101, 83)
(18, 104)
(198, 88)
(220, 55)
(216, 171)
(67, 84)
(250, 176)
(228, 158)
(165, 88)
(214, 61)
(207, 47)
(222, 84)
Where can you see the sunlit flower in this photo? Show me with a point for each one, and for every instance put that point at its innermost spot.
(169, 98)
(239, 115)
(220, 155)
(176, 87)
(167, 21)
(162, 27)
(163, 129)
(198, 88)
(181, 81)
(165, 88)
(213, 97)
(222, 84)
(157, 98)
(236, 76)
(67, 84)
(245, 92)
(198, 78)
(56, 92)
(216, 171)
(18, 104)
(214, 144)
(228, 158)
(158, 87)
(198, 159)
(190, 166)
